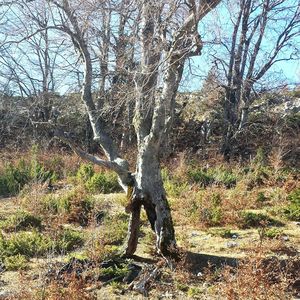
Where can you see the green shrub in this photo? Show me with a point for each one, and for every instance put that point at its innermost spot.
(103, 183)
(260, 158)
(294, 196)
(115, 271)
(28, 244)
(115, 229)
(201, 177)
(4, 189)
(261, 198)
(174, 187)
(221, 232)
(75, 206)
(20, 221)
(212, 215)
(85, 172)
(272, 233)
(15, 176)
(224, 177)
(257, 176)
(55, 204)
(218, 176)
(194, 292)
(69, 240)
(15, 262)
(292, 211)
(251, 219)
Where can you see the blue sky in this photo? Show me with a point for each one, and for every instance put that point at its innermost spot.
(216, 25)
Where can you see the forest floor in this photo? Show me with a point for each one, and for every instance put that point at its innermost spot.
(63, 241)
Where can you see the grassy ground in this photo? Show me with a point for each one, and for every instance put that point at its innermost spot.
(237, 226)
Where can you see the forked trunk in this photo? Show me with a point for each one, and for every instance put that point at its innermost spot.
(149, 192)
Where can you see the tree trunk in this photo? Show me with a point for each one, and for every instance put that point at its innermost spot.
(230, 122)
(149, 192)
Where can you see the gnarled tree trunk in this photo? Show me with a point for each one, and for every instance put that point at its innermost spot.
(162, 56)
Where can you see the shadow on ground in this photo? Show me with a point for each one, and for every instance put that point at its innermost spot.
(196, 262)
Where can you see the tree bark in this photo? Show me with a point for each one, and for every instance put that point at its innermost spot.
(149, 191)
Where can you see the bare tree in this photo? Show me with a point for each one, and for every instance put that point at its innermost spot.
(264, 33)
(32, 57)
(166, 35)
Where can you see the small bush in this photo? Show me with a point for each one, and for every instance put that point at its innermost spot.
(114, 271)
(74, 206)
(85, 172)
(69, 240)
(224, 177)
(115, 229)
(28, 244)
(194, 292)
(212, 215)
(15, 262)
(272, 233)
(174, 186)
(292, 211)
(261, 198)
(55, 204)
(201, 177)
(218, 176)
(103, 183)
(14, 176)
(250, 219)
(21, 221)
(257, 177)
(294, 196)
(223, 233)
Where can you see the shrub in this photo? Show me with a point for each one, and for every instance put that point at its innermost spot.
(222, 232)
(261, 198)
(292, 211)
(294, 196)
(250, 219)
(103, 183)
(55, 204)
(115, 271)
(174, 186)
(218, 176)
(15, 176)
(20, 221)
(69, 240)
(85, 172)
(224, 177)
(15, 262)
(272, 233)
(74, 206)
(212, 215)
(28, 244)
(115, 229)
(257, 176)
(201, 177)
